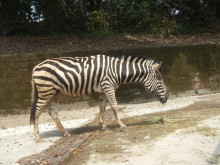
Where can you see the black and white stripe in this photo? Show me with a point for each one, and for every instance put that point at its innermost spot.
(81, 76)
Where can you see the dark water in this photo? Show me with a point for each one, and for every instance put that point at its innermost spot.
(190, 68)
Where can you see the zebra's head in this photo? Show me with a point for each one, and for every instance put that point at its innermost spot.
(154, 83)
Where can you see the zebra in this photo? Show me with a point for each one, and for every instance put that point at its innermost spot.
(80, 76)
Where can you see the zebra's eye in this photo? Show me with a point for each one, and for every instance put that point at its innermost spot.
(157, 75)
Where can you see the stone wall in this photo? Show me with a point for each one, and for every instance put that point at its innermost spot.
(183, 69)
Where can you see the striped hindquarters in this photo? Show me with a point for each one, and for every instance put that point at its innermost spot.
(73, 76)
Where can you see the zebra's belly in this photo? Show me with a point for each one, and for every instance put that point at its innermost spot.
(85, 91)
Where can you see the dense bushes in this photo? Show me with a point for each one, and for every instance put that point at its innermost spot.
(48, 17)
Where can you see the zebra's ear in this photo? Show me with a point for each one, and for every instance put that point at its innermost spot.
(157, 66)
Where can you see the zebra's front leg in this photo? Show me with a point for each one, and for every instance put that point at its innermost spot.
(102, 105)
(117, 118)
(53, 112)
(110, 94)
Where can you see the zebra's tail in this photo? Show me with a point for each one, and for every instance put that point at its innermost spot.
(34, 98)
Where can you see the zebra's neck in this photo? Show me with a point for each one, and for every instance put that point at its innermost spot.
(131, 70)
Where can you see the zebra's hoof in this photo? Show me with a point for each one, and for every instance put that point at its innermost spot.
(123, 128)
(38, 139)
(104, 127)
(67, 134)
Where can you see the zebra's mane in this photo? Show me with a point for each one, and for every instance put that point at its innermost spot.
(131, 58)
(127, 58)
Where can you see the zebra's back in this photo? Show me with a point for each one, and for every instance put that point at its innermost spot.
(73, 76)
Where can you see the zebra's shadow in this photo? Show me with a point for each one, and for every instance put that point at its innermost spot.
(94, 128)
(72, 131)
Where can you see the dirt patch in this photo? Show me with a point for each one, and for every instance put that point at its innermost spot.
(140, 129)
(89, 145)
(57, 44)
(56, 153)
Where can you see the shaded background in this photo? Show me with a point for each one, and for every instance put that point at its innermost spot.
(49, 17)
(194, 69)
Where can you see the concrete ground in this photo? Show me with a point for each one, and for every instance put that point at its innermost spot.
(186, 130)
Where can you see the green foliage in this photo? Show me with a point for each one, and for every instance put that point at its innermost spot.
(36, 17)
(98, 22)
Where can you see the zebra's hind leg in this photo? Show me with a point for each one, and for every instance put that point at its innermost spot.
(53, 112)
(102, 105)
(41, 104)
(36, 127)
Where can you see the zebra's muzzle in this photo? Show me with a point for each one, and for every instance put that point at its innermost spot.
(163, 100)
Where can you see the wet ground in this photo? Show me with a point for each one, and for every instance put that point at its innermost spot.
(188, 68)
(89, 145)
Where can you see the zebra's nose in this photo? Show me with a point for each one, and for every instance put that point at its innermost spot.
(164, 99)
